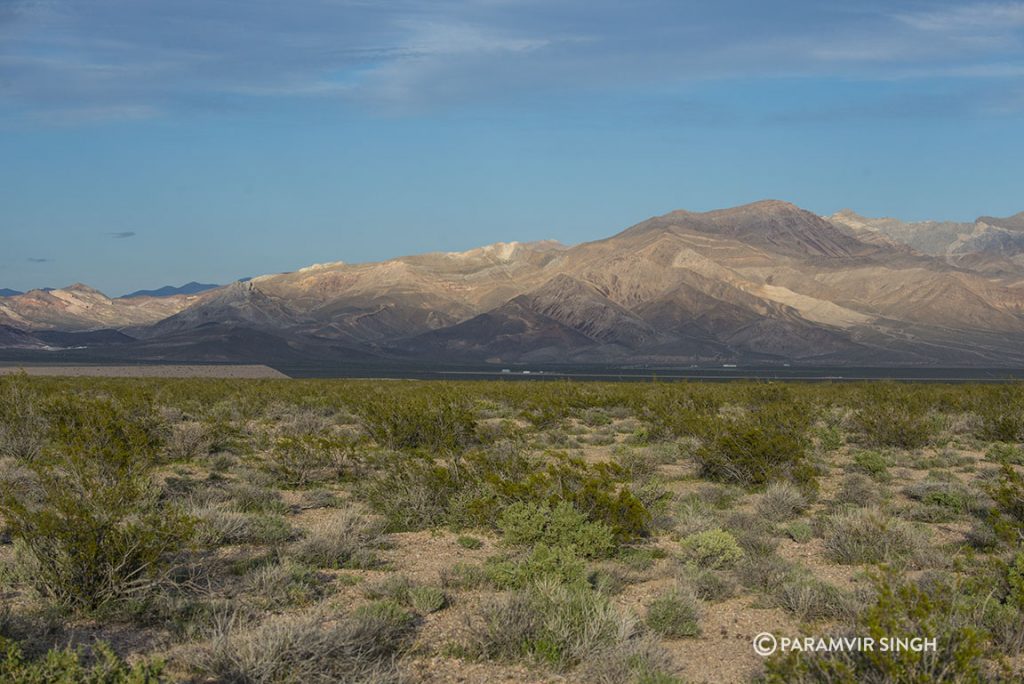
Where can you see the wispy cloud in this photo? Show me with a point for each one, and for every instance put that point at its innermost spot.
(980, 16)
(39, 260)
(66, 63)
(122, 235)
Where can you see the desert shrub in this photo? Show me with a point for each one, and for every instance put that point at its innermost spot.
(468, 542)
(899, 608)
(412, 493)
(187, 441)
(426, 599)
(799, 531)
(891, 416)
(765, 444)
(857, 489)
(463, 576)
(868, 535)
(711, 549)
(767, 573)
(320, 498)
(1007, 515)
(873, 463)
(401, 590)
(830, 438)
(93, 527)
(315, 647)
(551, 623)
(781, 501)
(541, 563)
(250, 498)
(1001, 414)
(415, 492)
(345, 539)
(639, 659)
(524, 524)
(674, 614)
(286, 583)
(947, 495)
(812, 599)
(711, 585)
(439, 421)
(1015, 580)
(23, 426)
(218, 526)
(1005, 453)
(70, 666)
(302, 460)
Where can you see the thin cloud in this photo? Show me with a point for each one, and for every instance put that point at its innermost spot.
(39, 260)
(66, 63)
(122, 235)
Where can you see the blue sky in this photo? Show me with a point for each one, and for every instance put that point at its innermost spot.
(145, 143)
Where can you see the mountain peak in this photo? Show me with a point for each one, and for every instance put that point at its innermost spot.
(82, 288)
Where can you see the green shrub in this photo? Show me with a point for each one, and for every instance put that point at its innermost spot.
(873, 463)
(1015, 579)
(471, 543)
(542, 563)
(1001, 414)
(303, 460)
(438, 421)
(427, 599)
(799, 531)
(892, 416)
(1007, 492)
(712, 549)
(93, 527)
(948, 495)
(1005, 453)
(69, 666)
(764, 445)
(899, 609)
(23, 426)
(674, 614)
(525, 524)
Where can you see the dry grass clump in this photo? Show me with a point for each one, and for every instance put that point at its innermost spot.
(188, 440)
(346, 538)
(565, 626)
(311, 648)
(870, 535)
(781, 501)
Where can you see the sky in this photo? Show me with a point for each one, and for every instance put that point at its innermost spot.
(147, 142)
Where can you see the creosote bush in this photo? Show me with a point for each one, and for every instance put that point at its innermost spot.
(102, 666)
(525, 524)
(93, 528)
(899, 609)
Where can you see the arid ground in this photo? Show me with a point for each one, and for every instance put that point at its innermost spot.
(360, 531)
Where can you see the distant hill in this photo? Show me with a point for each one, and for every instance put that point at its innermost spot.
(7, 292)
(767, 283)
(171, 291)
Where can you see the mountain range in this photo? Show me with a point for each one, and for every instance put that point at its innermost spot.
(766, 282)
